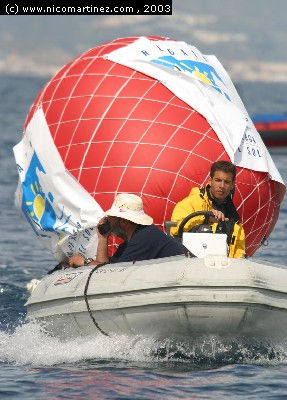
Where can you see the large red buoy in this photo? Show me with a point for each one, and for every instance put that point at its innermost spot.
(119, 130)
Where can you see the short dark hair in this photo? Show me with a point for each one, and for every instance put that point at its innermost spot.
(224, 166)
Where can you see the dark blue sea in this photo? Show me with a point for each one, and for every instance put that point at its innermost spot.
(36, 366)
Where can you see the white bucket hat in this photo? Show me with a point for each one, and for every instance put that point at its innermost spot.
(130, 207)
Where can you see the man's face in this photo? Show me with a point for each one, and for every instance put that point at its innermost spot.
(220, 185)
(117, 228)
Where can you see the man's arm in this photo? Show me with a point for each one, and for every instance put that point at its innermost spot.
(180, 211)
(102, 250)
(237, 246)
(185, 207)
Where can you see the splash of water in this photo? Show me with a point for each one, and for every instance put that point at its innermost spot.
(30, 345)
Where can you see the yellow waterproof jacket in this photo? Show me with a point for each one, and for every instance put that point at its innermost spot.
(198, 200)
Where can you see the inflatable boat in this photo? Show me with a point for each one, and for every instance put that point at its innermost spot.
(178, 298)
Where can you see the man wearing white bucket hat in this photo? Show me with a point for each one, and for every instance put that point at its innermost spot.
(142, 240)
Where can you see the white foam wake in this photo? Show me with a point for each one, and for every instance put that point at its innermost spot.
(30, 345)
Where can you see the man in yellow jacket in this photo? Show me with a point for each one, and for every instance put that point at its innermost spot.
(217, 198)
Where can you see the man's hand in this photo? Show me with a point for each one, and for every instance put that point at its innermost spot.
(218, 216)
(76, 261)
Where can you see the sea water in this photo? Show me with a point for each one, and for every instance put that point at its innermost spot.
(34, 365)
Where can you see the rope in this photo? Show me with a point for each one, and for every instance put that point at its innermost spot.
(86, 299)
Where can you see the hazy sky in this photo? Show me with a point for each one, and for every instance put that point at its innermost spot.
(248, 36)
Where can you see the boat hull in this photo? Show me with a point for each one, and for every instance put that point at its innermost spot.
(177, 298)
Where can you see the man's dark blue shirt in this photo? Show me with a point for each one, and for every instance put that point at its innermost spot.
(147, 242)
